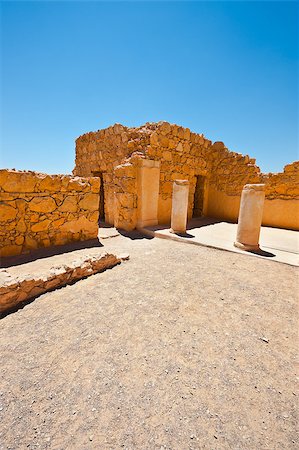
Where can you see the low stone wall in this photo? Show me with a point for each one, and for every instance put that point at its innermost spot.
(17, 286)
(39, 210)
(281, 208)
(282, 198)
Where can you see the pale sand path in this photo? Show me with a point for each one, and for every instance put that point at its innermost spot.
(182, 347)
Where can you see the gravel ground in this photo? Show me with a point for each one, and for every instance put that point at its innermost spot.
(182, 347)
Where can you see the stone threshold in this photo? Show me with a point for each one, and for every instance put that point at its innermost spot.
(20, 284)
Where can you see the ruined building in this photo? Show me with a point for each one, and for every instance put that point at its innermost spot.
(216, 175)
(124, 176)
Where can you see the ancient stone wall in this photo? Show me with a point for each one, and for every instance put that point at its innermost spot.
(283, 185)
(39, 210)
(183, 155)
(125, 197)
(230, 171)
(282, 197)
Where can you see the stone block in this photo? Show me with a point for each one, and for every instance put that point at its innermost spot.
(81, 224)
(167, 155)
(154, 139)
(21, 226)
(165, 128)
(50, 183)
(69, 204)
(76, 184)
(7, 212)
(19, 182)
(94, 216)
(57, 223)
(180, 147)
(95, 185)
(19, 240)
(41, 226)
(42, 204)
(90, 202)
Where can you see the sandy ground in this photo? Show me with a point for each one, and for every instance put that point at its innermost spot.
(182, 347)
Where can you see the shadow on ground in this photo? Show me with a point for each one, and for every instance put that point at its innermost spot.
(48, 251)
(184, 235)
(262, 253)
(133, 235)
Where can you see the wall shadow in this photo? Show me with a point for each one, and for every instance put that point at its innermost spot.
(261, 252)
(135, 234)
(199, 222)
(184, 235)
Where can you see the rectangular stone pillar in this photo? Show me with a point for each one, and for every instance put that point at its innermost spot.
(250, 217)
(179, 210)
(148, 181)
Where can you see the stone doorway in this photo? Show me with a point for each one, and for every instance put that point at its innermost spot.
(102, 196)
(199, 196)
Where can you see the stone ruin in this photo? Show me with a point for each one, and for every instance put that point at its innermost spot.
(124, 177)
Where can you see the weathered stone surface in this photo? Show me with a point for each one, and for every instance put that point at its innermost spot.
(37, 206)
(7, 212)
(81, 224)
(94, 216)
(16, 288)
(19, 240)
(57, 223)
(70, 204)
(41, 226)
(10, 250)
(56, 209)
(30, 243)
(42, 204)
(19, 181)
(50, 183)
(182, 154)
(90, 202)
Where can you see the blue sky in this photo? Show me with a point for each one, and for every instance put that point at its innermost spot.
(225, 69)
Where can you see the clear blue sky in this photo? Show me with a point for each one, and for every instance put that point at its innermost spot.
(227, 69)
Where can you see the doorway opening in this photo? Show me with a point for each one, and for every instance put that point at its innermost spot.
(102, 196)
(199, 196)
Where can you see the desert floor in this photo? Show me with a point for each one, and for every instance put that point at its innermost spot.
(181, 347)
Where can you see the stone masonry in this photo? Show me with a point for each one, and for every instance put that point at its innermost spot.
(115, 152)
(39, 210)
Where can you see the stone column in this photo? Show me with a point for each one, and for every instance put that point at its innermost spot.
(250, 216)
(179, 211)
(148, 182)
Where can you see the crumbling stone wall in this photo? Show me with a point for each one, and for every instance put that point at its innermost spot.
(183, 155)
(39, 210)
(283, 185)
(103, 150)
(125, 197)
(282, 197)
(230, 171)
